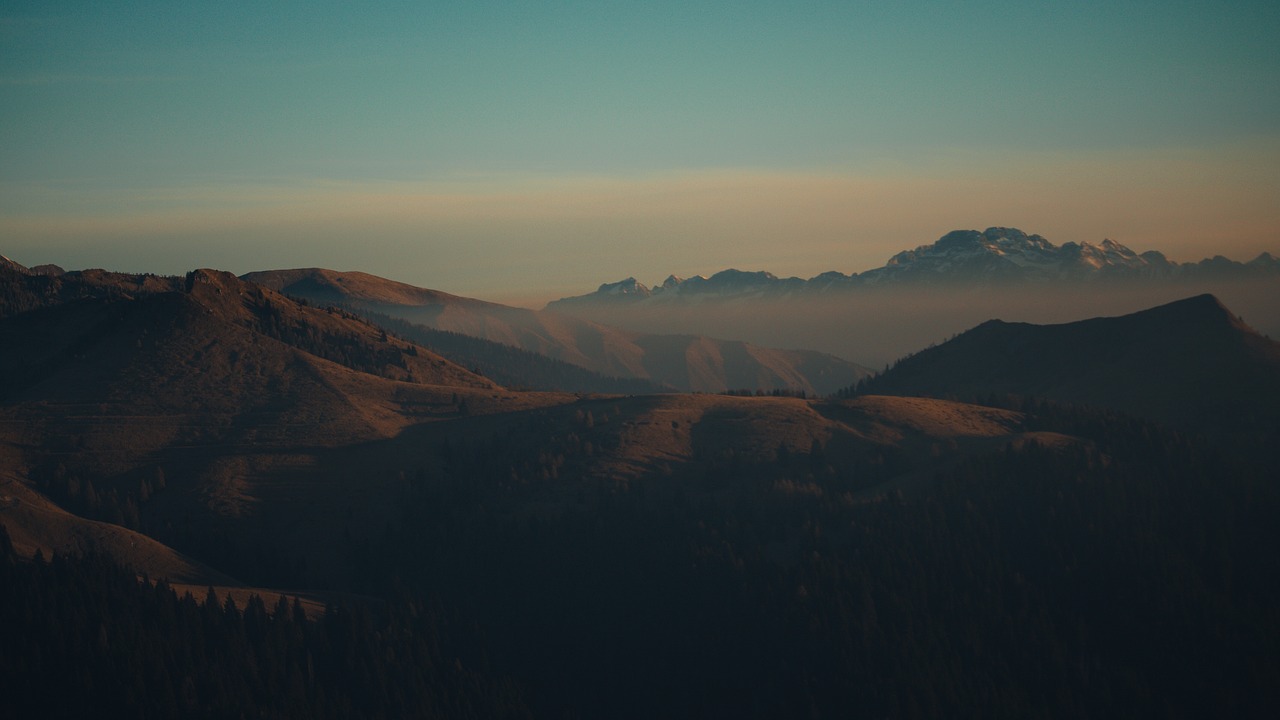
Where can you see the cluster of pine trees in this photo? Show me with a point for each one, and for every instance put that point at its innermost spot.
(1128, 573)
(348, 349)
(21, 292)
(84, 637)
(1126, 569)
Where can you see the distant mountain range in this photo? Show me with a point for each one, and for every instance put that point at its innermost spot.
(996, 255)
(678, 361)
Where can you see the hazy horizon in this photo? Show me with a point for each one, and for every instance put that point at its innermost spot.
(524, 154)
(877, 326)
(580, 286)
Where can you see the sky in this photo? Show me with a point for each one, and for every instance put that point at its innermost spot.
(523, 151)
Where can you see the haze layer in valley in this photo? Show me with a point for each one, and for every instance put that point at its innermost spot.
(877, 327)
(926, 295)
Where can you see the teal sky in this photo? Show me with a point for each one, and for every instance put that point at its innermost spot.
(520, 151)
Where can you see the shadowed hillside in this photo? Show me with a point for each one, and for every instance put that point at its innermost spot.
(683, 362)
(88, 329)
(511, 366)
(22, 289)
(127, 401)
(1191, 362)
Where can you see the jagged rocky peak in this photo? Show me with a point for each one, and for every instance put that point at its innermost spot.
(1265, 260)
(622, 291)
(957, 239)
(222, 291)
(831, 275)
(1012, 241)
(629, 286)
(204, 277)
(994, 252)
(1033, 255)
(1014, 236)
(1115, 251)
(732, 282)
(992, 239)
(997, 255)
(13, 265)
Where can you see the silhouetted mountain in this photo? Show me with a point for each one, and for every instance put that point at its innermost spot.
(85, 638)
(1190, 362)
(684, 362)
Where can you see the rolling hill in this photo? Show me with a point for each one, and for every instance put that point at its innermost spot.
(116, 386)
(683, 362)
(238, 426)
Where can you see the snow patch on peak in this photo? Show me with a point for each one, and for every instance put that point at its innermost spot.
(13, 265)
(629, 286)
(995, 255)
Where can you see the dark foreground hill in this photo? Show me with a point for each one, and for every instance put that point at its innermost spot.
(1105, 568)
(107, 325)
(115, 388)
(1191, 363)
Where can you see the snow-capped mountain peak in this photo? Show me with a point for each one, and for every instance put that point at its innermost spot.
(994, 255)
(629, 286)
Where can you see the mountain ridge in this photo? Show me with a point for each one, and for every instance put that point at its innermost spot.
(997, 255)
(1191, 363)
(684, 361)
(182, 408)
(191, 413)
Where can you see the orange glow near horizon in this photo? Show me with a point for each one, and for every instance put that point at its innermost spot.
(537, 238)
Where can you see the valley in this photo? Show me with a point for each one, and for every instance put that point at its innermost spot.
(924, 296)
